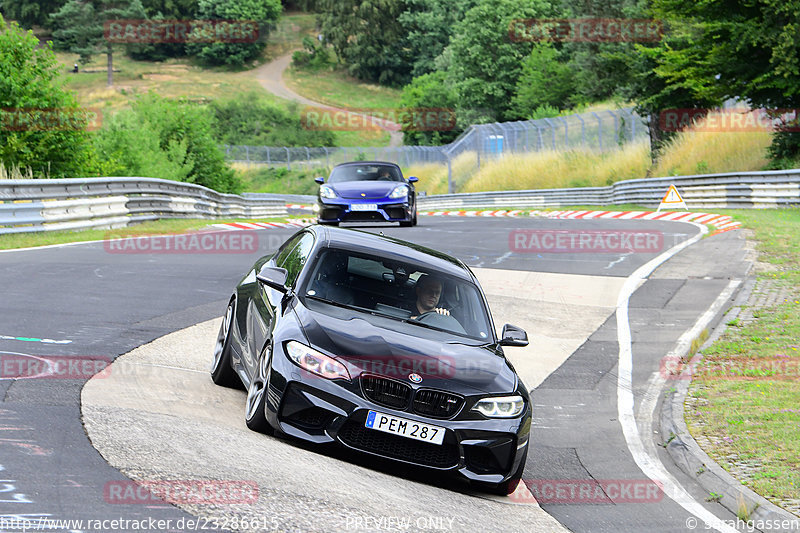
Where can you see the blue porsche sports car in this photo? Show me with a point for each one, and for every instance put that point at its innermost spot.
(367, 191)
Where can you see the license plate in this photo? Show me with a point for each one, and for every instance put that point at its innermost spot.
(363, 207)
(404, 427)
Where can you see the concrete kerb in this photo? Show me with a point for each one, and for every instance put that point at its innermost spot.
(690, 457)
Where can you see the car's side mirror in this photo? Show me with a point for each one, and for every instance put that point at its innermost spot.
(413, 179)
(513, 336)
(274, 277)
(320, 180)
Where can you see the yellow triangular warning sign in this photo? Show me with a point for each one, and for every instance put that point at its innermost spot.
(672, 200)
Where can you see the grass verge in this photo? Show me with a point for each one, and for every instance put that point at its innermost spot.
(744, 400)
(158, 227)
(337, 88)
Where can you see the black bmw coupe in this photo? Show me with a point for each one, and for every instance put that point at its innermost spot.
(380, 346)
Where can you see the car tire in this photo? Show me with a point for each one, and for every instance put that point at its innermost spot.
(414, 220)
(221, 371)
(327, 223)
(254, 407)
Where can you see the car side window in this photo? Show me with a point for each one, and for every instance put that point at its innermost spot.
(294, 260)
(287, 247)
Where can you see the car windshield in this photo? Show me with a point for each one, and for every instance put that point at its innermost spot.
(366, 172)
(403, 291)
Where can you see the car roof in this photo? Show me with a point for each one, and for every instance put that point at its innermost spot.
(350, 163)
(390, 248)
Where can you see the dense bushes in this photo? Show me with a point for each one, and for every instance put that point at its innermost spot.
(255, 121)
(166, 139)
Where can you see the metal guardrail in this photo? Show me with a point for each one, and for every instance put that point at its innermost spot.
(67, 204)
(780, 188)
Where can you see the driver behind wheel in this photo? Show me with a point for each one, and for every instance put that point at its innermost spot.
(429, 290)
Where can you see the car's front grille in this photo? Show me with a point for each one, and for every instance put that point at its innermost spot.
(437, 404)
(362, 216)
(422, 453)
(386, 391)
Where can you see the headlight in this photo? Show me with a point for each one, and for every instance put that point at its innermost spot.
(327, 192)
(500, 406)
(401, 191)
(317, 363)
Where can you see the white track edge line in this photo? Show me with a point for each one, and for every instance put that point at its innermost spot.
(651, 466)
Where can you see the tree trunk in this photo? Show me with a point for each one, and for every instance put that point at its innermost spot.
(656, 137)
(109, 53)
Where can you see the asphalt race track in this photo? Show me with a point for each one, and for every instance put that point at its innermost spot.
(157, 416)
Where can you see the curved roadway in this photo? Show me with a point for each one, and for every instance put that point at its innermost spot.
(156, 415)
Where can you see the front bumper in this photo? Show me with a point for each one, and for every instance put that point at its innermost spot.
(323, 411)
(339, 210)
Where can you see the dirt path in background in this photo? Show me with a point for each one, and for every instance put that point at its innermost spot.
(270, 76)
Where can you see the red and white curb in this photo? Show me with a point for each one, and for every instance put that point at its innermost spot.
(721, 222)
(234, 226)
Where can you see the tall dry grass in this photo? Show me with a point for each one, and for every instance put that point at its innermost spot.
(14, 172)
(433, 176)
(550, 169)
(703, 151)
(694, 151)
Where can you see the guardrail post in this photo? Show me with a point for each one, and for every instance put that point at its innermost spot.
(288, 159)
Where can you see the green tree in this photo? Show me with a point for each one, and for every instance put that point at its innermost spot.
(164, 138)
(739, 49)
(544, 81)
(164, 10)
(654, 93)
(79, 27)
(484, 62)
(599, 68)
(366, 35)
(32, 87)
(430, 92)
(263, 12)
(429, 24)
(30, 13)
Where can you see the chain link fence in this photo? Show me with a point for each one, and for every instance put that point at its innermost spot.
(594, 130)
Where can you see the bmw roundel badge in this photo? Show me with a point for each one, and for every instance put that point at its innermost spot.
(415, 378)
